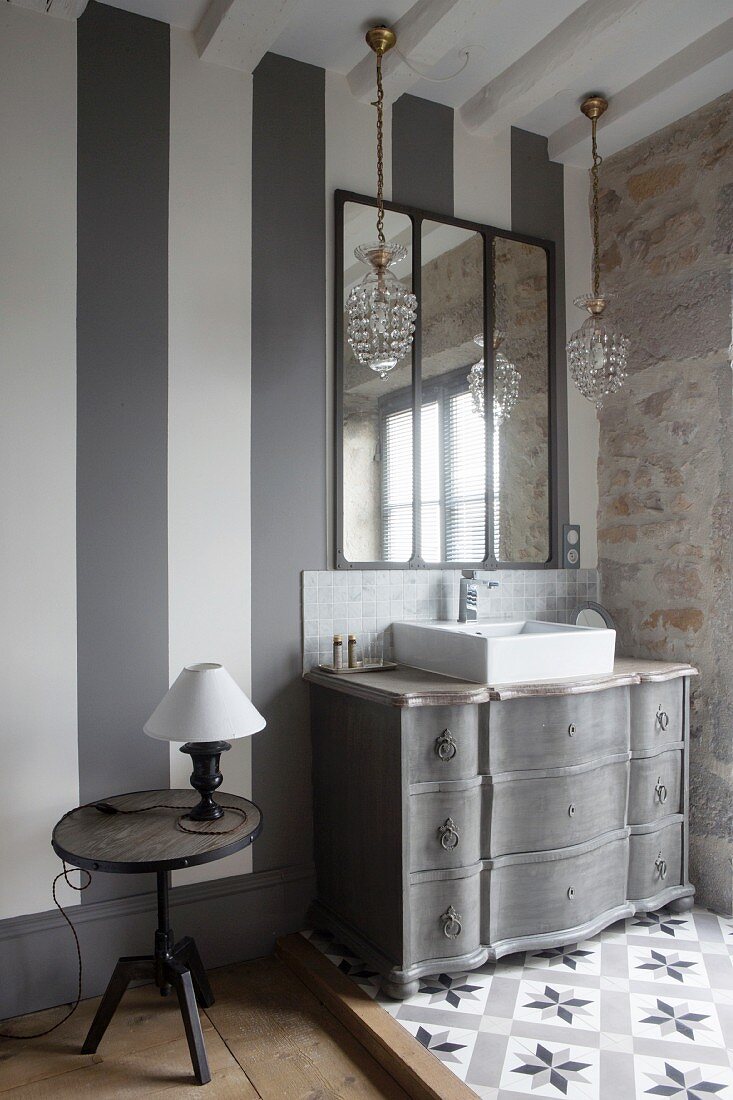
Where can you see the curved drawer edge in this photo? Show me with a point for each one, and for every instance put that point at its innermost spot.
(445, 786)
(556, 773)
(656, 826)
(657, 750)
(664, 897)
(543, 940)
(553, 854)
(446, 874)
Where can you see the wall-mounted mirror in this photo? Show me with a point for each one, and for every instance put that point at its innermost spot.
(446, 461)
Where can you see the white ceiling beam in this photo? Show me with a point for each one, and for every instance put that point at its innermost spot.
(425, 34)
(619, 127)
(558, 61)
(61, 9)
(238, 33)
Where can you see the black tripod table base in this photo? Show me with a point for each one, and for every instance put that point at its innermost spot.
(178, 968)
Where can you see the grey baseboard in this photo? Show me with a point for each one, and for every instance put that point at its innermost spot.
(232, 919)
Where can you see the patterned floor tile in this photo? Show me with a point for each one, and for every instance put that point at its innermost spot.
(537, 1068)
(680, 1021)
(644, 1009)
(666, 965)
(622, 1043)
(681, 1080)
(580, 958)
(553, 1003)
(497, 1025)
(662, 926)
(453, 1046)
(465, 992)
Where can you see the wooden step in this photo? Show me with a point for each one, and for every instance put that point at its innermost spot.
(417, 1071)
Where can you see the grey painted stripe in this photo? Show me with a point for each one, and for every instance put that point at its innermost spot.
(538, 208)
(422, 154)
(231, 919)
(288, 433)
(122, 404)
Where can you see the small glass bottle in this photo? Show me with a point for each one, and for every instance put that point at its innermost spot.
(353, 652)
(338, 651)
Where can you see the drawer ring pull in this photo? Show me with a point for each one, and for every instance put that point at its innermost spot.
(662, 717)
(446, 746)
(449, 834)
(571, 729)
(661, 791)
(452, 926)
(571, 893)
(571, 810)
(661, 866)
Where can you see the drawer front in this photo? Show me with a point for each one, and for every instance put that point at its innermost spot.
(524, 899)
(546, 732)
(656, 714)
(444, 918)
(655, 861)
(440, 742)
(444, 829)
(536, 815)
(655, 787)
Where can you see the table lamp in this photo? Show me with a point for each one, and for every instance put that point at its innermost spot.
(206, 709)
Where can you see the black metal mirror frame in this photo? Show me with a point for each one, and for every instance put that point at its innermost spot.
(556, 422)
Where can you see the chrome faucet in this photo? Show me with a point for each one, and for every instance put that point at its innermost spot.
(468, 595)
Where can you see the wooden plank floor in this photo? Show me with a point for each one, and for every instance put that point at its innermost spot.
(268, 1038)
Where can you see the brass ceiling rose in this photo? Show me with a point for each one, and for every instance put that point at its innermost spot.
(381, 39)
(593, 106)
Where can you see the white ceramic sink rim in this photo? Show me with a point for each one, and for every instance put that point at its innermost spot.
(504, 651)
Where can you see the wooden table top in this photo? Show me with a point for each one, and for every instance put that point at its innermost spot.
(131, 843)
(414, 687)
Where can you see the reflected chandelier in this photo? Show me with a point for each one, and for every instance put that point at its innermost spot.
(597, 355)
(506, 382)
(380, 312)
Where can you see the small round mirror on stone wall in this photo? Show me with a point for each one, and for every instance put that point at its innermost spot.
(592, 614)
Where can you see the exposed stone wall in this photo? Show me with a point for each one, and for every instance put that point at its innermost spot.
(666, 449)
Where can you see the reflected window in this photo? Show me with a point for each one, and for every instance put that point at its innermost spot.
(453, 465)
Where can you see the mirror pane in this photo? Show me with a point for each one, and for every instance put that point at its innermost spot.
(377, 418)
(521, 428)
(453, 431)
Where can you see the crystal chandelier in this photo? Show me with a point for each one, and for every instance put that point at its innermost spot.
(596, 353)
(381, 313)
(506, 382)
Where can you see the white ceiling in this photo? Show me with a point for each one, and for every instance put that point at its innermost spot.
(530, 61)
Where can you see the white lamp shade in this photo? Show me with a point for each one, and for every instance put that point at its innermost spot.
(204, 704)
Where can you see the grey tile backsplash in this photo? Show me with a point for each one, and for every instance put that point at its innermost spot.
(355, 602)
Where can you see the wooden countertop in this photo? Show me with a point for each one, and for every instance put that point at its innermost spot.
(413, 687)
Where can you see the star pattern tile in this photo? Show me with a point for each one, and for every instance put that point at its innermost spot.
(682, 1080)
(664, 965)
(648, 1002)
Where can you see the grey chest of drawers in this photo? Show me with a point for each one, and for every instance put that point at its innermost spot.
(456, 823)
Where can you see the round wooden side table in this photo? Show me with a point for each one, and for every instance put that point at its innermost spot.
(138, 834)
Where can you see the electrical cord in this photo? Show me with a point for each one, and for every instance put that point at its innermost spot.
(64, 875)
(434, 79)
(108, 808)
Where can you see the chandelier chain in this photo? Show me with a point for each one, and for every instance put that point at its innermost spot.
(597, 161)
(380, 151)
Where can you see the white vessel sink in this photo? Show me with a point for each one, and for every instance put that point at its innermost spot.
(519, 651)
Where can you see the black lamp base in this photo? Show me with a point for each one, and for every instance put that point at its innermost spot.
(205, 777)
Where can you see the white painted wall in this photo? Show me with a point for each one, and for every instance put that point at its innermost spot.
(38, 719)
(582, 418)
(209, 390)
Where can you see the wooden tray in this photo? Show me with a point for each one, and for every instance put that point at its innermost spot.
(387, 666)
